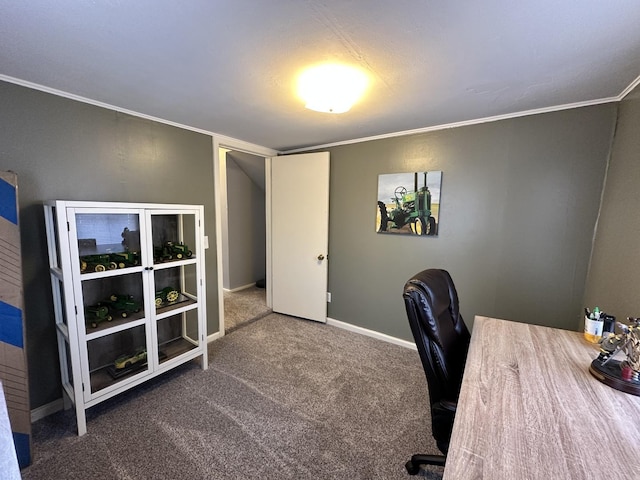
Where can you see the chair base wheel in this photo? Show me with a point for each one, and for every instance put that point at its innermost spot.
(413, 465)
(411, 468)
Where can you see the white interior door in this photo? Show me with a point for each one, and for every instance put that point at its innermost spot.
(300, 234)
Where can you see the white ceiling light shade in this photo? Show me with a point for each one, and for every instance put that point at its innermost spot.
(331, 88)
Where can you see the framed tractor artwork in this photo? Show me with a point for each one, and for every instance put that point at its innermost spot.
(409, 203)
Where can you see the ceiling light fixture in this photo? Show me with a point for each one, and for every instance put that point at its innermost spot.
(331, 88)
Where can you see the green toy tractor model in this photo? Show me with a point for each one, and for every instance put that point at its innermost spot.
(108, 261)
(116, 305)
(167, 295)
(96, 314)
(171, 251)
(122, 305)
(411, 208)
(125, 259)
(97, 263)
(180, 250)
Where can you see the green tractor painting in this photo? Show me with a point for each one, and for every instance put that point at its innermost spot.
(410, 211)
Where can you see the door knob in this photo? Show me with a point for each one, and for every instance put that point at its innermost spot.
(321, 257)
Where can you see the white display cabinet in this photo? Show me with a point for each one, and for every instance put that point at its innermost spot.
(129, 294)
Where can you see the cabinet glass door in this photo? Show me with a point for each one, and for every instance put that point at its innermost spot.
(112, 302)
(116, 357)
(176, 311)
(176, 282)
(107, 241)
(173, 236)
(109, 295)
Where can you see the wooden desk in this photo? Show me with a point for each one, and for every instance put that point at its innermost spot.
(530, 409)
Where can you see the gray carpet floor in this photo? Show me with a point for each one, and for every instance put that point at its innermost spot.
(283, 399)
(243, 307)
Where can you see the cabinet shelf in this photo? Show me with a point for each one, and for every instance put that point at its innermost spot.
(175, 347)
(102, 379)
(109, 273)
(122, 315)
(114, 326)
(182, 302)
(176, 262)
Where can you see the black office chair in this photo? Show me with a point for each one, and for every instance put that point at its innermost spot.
(442, 339)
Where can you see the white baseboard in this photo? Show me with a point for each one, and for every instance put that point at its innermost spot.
(371, 333)
(238, 289)
(46, 410)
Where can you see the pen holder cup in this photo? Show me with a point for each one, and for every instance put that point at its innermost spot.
(593, 329)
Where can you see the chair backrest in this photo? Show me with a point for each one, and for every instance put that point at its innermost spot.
(439, 331)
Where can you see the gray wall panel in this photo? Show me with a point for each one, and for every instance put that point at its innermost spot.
(614, 277)
(62, 149)
(247, 229)
(520, 199)
(519, 203)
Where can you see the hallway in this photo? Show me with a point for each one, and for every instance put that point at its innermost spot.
(243, 307)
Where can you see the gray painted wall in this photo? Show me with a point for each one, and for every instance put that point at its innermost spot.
(519, 203)
(614, 276)
(246, 226)
(62, 149)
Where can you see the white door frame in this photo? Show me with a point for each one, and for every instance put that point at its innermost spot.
(218, 176)
(267, 213)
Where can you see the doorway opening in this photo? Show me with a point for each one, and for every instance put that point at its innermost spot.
(243, 237)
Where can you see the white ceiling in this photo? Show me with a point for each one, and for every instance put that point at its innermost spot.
(228, 66)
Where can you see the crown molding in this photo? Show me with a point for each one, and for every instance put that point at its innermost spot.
(223, 139)
(628, 90)
(465, 123)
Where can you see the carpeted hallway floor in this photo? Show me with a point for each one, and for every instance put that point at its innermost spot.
(283, 399)
(243, 307)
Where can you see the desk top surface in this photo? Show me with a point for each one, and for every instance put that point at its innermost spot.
(530, 409)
